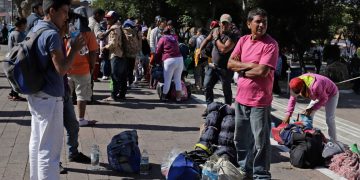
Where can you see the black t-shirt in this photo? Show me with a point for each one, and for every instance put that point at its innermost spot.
(145, 47)
(221, 59)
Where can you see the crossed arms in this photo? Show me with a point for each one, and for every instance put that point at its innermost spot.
(248, 70)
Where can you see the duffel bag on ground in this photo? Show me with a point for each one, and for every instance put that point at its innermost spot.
(124, 153)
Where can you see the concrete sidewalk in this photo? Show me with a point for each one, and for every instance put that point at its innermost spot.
(160, 126)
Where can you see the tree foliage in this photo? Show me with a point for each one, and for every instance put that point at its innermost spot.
(292, 23)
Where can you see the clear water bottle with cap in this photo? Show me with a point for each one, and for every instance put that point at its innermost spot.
(95, 157)
(73, 34)
(144, 163)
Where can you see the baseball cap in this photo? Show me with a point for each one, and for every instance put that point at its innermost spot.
(214, 24)
(225, 18)
(112, 14)
(296, 84)
(129, 23)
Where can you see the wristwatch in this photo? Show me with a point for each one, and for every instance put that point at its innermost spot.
(242, 73)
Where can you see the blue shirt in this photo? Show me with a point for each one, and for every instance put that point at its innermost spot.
(49, 41)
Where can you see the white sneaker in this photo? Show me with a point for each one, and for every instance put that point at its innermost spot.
(105, 78)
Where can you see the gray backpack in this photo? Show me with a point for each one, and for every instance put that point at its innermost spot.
(22, 66)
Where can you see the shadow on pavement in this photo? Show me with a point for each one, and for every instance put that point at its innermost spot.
(276, 120)
(21, 122)
(147, 127)
(5, 87)
(155, 172)
(276, 157)
(132, 103)
(138, 91)
(14, 113)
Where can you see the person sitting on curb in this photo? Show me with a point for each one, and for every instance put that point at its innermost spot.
(322, 92)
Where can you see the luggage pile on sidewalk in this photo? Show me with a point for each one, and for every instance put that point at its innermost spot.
(309, 148)
(214, 156)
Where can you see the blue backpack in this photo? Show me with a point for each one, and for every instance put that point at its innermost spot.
(124, 153)
(22, 67)
(183, 167)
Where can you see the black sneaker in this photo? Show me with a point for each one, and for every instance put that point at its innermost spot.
(62, 169)
(80, 158)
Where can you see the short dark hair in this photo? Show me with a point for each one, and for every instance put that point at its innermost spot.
(202, 31)
(56, 4)
(35, 5)
(20, 21)
(256, 12)
(99, 11)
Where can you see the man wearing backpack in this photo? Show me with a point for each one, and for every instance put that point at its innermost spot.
(224, 43)
(36, 14)
(119, 65)
(15, 37)
(46, 106)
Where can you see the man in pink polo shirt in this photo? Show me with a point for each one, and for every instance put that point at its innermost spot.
(254, 57)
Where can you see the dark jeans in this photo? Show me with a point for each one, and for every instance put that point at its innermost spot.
(276, 86)
(199, 72)
(131, 66)
(212, 76)
(119, 72)
(71, 125)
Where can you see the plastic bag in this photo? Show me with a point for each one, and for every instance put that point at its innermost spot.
(211, 168)
(167, 161)
(227, 171)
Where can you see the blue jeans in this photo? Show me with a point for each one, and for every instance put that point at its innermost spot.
(212, 76)
(131, 66)
(119, 73)
(252, 140)
(105, 67)
(71, 125)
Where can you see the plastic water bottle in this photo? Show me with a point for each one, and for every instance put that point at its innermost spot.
(205, 172)
(95, 157)
(144, 163)
(73, 34)
(272, 126)
(210, 171)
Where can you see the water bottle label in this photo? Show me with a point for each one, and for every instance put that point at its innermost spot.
(74, 34)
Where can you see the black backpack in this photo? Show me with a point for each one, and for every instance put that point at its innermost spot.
(306, 151)
(22, 66)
